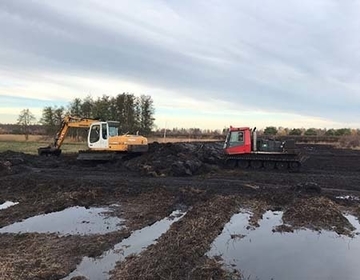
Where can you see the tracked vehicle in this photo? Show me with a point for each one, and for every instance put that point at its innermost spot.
(103, 140)
(243, 149)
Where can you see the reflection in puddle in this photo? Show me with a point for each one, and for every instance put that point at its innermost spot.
(304, 254)
(74, 220)
(348, 197)
(99, 268)
(7, 204)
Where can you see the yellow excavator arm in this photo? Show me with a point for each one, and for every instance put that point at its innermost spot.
(66, 123)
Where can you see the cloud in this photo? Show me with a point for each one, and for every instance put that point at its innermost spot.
(279, 57)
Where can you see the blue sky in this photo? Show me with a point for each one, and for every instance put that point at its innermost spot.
(207, 64)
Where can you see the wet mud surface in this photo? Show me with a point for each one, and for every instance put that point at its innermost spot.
(145, 190)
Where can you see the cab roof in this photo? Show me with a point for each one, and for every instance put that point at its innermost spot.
(239, 128)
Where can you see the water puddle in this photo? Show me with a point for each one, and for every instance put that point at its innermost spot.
(304, 254)
(99, 268)
(74, 220)
(7, 204)
(349, 197)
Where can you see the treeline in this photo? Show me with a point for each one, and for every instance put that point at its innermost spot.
(345, 137)
(281, 131)
(55, 114)
(134, 113)
(34, 129)
(268, 131)
(190, 133)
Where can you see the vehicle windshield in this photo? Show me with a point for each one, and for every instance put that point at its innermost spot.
(235, 138)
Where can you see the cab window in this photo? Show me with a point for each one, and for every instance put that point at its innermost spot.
(95, 133)
(113, 130)
(236, 138)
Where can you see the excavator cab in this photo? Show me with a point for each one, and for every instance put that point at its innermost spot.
(100, 132)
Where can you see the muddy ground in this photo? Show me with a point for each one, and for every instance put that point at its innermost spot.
(148, 188)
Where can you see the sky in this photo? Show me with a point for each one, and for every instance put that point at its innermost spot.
(205, 63)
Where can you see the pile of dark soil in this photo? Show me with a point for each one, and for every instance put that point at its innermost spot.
(168, 159)
(178, 159)
(15, 163)
(5, 167)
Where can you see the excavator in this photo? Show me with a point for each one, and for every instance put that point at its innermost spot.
(103, 140)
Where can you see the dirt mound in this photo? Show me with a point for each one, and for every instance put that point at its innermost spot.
(10, 162)
(15, 162)
(178, 159)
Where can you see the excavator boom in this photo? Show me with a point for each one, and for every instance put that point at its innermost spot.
(67, 122)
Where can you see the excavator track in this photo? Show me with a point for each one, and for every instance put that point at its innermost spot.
(88, 155)
(284, 162)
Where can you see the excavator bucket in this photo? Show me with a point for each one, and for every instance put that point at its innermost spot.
(49, 151)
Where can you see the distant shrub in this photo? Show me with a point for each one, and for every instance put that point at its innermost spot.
(310, 132)
(295, 131)
(349, 141)
(270, 130)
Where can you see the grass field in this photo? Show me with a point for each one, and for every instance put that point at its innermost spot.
(17, 143)
(31, 147)
(21, 138)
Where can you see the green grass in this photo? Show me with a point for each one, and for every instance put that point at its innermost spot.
(31, 147)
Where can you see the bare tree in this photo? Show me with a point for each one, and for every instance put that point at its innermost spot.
(25, 119)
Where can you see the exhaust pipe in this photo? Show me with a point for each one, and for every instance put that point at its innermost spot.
(254, 137)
